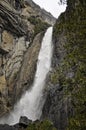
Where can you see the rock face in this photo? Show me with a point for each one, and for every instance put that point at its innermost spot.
(26, 124)
(46, 16)
(10, 17)
(7, 127)
(20, 41)
(24, 121)
(28, 68)
(66, 100)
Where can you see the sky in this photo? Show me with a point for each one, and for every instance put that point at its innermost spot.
(51, 6)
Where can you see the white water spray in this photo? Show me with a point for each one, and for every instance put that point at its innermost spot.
(31, 103)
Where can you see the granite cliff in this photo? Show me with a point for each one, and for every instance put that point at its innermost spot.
(22, 25)
(21, 32)
(66, 99)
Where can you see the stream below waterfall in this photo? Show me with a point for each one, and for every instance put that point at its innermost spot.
(31, 103)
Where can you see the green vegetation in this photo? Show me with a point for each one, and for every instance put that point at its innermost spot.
(73, 24)
(78, 121)
(43, 125)
(39, 24)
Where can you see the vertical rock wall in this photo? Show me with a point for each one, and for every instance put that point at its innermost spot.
(66, 99)
(20, 41)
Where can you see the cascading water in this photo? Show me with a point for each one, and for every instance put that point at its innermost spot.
(31, 103)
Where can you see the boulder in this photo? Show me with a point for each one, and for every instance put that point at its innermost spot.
(24, 121)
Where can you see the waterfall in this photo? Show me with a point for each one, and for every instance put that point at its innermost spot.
(31, 103)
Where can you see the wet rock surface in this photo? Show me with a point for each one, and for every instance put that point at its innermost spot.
(24, 121)
(7, 127)
(26, 124)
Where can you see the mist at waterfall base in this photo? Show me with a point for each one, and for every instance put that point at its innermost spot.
(31, 103)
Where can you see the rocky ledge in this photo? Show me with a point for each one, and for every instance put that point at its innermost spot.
(26, 124)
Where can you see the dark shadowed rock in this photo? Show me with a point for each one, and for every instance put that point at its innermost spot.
(63, 105)
(7, 127)
(24, 121)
